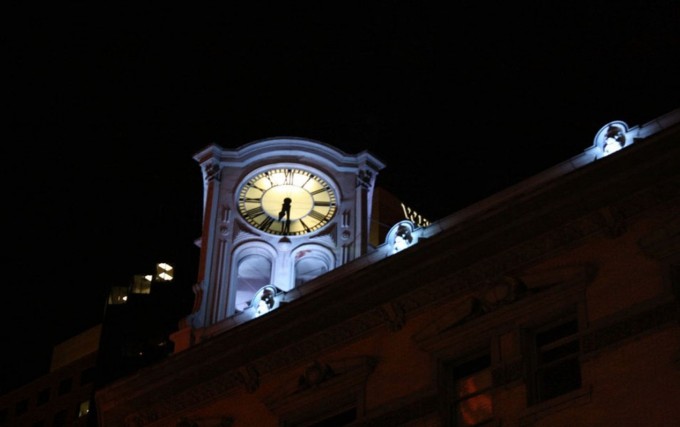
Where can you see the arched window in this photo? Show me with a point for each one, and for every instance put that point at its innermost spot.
(254, 272)
(312, 261)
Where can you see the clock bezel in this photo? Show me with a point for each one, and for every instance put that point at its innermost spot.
(314, 207)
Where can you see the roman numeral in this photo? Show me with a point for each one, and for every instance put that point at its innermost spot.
(309, 178)
(269, 178)
(255, 212)
(268, 221)
(251, 199)
(288, 177)
(307, 229)
(317, 216)
(320, 190)
(324, 204)
(256, 187)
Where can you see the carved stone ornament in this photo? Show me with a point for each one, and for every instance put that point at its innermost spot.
(394, 315)
(315, 374)
(321, 383)
(249, 377)
(212, 172)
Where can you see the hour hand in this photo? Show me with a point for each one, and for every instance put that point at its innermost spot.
(285, 209)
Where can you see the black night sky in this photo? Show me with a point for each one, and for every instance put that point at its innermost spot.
(106, 107)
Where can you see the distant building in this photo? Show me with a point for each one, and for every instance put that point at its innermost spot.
(63, 397)
(139, 318)
(134, 334)
(552, 303)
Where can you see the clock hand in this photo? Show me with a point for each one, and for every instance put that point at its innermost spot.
(285, 209)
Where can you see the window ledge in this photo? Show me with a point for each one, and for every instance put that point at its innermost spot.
(574, 398)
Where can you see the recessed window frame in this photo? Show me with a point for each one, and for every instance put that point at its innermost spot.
(60, 418)
(43, 396)
(551, 347)
(88, 375)
(65, 386)
(455, 374)
(461, 328)
(21, 407)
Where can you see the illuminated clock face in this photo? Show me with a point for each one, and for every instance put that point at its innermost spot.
(287, 202)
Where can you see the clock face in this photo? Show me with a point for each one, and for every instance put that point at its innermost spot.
(287, 202)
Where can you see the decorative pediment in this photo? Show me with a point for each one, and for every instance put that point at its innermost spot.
(498, 294)
(249, 377)
(320, 384)
(455, 315)
(394, 315)
(537, 279)
(612, 220)
(664, 242)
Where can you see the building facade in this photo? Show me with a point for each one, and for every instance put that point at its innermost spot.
(552, 303)
(64, 396)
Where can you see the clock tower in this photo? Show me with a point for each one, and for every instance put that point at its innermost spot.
(277, 213)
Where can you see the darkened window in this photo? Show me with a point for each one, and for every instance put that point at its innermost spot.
(468, 385)
(87, 376)
(40, 423)
(65, 386)
(59, 419)
(43, 396)
(338, 420)
(343, 418)
(554, 360)
(3, 416)
(22, 407)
